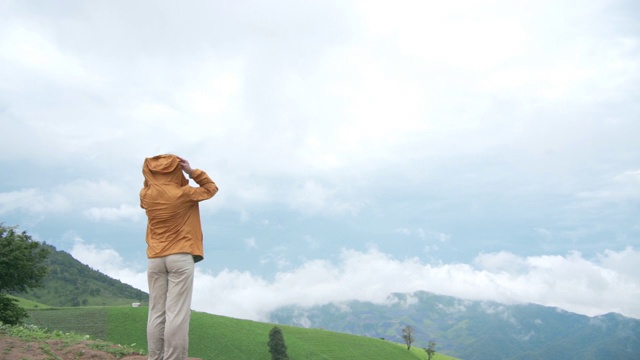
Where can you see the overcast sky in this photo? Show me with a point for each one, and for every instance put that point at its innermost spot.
(480, 149)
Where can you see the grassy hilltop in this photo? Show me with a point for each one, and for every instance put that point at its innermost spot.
(219, 337)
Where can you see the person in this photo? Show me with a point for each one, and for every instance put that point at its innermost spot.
(174, 244)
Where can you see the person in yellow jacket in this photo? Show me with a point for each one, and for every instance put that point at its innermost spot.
(174, 245)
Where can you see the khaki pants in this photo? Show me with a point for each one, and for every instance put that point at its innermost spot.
(170, 289)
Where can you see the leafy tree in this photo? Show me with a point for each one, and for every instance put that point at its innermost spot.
(407, 336)
(21, 268)
(431, 350)
(10, 312)
(69, 281)
(277, 347)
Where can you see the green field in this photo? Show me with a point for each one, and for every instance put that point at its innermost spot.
(219, 337)
(28, 304)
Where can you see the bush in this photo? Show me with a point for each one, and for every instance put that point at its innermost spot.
(10, 312)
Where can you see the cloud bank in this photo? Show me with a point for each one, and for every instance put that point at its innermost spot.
(607, 283)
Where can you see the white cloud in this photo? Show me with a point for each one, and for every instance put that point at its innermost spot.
(404, 301)
(123, 212)
(250, 243)
(277, 256)
(315, 198)
(25, 45)
(459, 306)
(456, 34)
(435, 236)
(610, 283)
(109, 262)
(72, 196)
(33, 201)
(622, 187)
(625, 262)
(502, 261)
(102, 191)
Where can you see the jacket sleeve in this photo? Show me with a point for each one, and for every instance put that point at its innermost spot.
(207, 188)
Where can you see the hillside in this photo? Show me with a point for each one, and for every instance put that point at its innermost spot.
(479, 329)
(72, 283)
(219, 337)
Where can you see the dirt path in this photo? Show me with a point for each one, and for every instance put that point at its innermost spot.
(14, 349)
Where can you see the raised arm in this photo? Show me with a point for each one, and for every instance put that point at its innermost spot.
(207, 187)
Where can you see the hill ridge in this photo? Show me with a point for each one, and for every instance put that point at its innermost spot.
(72, 283)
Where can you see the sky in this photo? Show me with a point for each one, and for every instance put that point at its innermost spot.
(487, 150)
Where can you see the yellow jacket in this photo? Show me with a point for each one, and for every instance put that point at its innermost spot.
(173, 214)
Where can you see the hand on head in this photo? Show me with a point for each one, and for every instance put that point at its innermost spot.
(186, 167)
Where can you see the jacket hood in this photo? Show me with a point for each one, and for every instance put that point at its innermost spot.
(162, 169)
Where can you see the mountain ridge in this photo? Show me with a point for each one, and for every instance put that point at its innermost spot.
(72, 283)
(477, 329)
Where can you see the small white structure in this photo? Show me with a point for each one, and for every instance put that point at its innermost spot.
(135, 304)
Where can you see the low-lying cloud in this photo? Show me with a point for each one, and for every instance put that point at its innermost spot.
(608, 283)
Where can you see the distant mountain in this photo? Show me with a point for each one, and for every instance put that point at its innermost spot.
(72, 283)
(478, 329)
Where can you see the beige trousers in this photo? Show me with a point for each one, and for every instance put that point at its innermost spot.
(170, 289)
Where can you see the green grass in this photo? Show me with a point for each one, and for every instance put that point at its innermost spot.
(91, 321)
(28, 304)
(219, 337)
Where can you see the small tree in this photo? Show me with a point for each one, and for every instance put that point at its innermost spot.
(10, 312)
(431, 350)
(21, 268)
(277, 347)
(407, 336)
